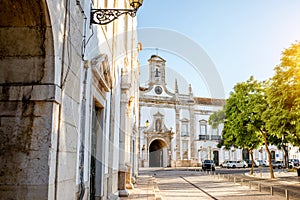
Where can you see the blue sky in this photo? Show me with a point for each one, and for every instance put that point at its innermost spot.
(242, 38)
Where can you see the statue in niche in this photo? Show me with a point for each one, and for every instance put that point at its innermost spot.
(158, 125)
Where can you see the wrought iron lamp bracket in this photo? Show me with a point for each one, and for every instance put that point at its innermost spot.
(105, 16)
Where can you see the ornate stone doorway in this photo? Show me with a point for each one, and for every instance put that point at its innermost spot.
(158, 154)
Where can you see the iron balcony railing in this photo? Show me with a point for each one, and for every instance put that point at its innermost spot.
(210, 137)
(203, 137)
(216, 137)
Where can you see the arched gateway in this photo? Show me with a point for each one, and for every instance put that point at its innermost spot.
(158, 143)
(158, 154)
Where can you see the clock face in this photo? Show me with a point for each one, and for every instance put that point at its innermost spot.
(158, 90)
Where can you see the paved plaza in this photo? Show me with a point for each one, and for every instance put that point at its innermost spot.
(171, 184)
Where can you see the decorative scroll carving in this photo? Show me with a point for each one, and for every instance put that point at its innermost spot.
(105, 16)
(101, 71)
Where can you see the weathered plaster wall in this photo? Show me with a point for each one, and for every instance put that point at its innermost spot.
(26, 99)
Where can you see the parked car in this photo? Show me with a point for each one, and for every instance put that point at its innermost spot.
(237, 164)
(208, 165)
(278, 164)
(293, 163)
(249, 162)
(224, 164)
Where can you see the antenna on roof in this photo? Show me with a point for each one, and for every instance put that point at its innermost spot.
(157, 51)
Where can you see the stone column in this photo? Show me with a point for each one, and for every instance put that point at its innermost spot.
(125, 86)
(122, 167)
(146, 154)
(177, 145)
(194, 150)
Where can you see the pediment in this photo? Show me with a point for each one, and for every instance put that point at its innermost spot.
(101, 72)
(158, 125)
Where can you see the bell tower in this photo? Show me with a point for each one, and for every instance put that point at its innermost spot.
(156, 70)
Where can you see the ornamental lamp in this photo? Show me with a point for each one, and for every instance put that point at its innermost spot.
(147, 123)
(136, 4)
(105, 16)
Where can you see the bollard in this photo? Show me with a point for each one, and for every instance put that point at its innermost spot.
(249, 184)
(271, 190)
(234, 179)
(242, 180)
(259, 187)
(287, 196)
(260, 173)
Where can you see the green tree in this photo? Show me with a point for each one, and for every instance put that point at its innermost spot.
(244, 127)
(217, 118)
(282, 116)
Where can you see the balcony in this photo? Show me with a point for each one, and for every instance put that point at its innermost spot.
(203, 137)
(210, 137)
(216, 137)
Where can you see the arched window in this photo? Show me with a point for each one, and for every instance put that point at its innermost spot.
(203, 130)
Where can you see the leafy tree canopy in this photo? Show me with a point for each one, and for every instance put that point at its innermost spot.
(243, 115)
(282, 115)
(216, 118)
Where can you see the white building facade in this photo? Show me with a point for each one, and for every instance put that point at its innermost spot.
(174, 129)
(178, 134)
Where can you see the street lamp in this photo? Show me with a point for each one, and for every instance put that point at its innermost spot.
(105, 16)
(142, 141)
(147, 123)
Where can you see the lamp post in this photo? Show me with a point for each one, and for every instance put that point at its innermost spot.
(143, 149)
(105, 16)
(142, 141)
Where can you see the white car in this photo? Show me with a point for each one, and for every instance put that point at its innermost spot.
(237, 164)
(224, 164)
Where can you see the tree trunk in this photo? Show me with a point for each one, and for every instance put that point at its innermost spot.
(286, 159)
(252, 160)
(269, 154)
